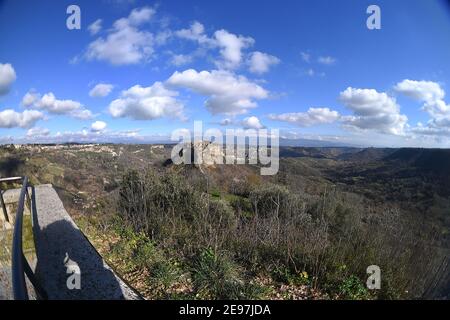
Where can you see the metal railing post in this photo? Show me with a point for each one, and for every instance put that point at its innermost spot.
(19, 266)
(40, 292)
(18, 275)
(2, 203)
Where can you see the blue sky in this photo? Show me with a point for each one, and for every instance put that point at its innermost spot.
(140, 69)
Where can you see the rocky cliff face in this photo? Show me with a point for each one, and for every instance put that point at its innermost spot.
(205, 153)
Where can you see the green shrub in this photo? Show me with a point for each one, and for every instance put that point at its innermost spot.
(285, 275)
(149, 202)
(218, 277)
(215, 193)
(268, 199)
(241, 205)
(352, 288)
(163, 275)
(267, 229)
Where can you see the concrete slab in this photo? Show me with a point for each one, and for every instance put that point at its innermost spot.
(62, 250)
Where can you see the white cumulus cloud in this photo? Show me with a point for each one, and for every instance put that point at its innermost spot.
(432, 95)
(140, 15)
(226, 122)
(252, 123)
(196, 32)
(260, 62)
(95, 27)
(227, 93)
(147, 103)
(428, 92)
(125, 43)
(37, 132)
(98, 126)
(306, 57)
(101, 90)
(50, 103)
(53, 105)
(327, 60)
(26, 119)
(372, 111)
(230, 45)
(7, 77)
(181, 59)
(81, 114)
(30, 98)
(314, 116)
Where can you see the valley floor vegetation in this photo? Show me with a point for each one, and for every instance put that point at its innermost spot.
(262, 240)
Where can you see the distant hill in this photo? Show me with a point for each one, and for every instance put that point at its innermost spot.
(368, 154)
(313, 143)
(435, 160)
(316, 152)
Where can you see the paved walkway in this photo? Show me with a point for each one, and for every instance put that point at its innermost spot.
(62, 249)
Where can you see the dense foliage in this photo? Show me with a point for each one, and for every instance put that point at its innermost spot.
(223, 241)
